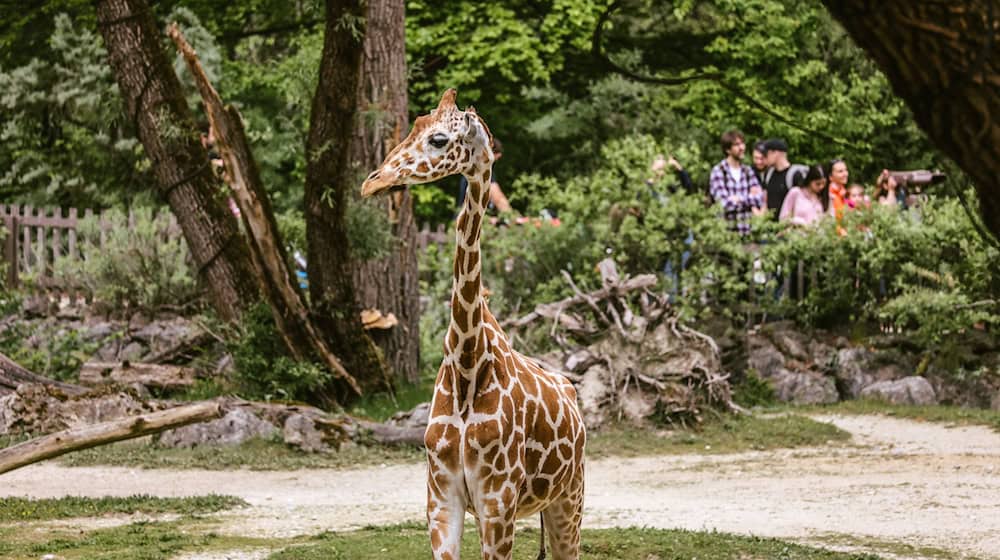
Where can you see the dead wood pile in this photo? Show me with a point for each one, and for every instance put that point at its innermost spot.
(628, 354)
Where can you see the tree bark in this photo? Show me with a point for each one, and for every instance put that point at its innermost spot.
(155, 101)
(388, 284)
(75, 439)
(941, 59)
(330, 181)
(276, 280)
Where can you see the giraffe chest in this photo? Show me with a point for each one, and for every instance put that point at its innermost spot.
(511, 441)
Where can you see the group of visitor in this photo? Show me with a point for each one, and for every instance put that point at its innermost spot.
(798, 194)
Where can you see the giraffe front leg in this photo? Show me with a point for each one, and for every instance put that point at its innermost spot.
(445, 517)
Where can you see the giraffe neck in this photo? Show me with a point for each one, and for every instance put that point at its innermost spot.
(463, 344)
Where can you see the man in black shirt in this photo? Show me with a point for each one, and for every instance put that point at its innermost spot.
(781, 175)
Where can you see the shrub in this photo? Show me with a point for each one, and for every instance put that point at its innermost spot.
(263, 368)
(143, 265)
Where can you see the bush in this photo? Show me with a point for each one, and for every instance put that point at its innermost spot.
(263, 369)
(143, 266)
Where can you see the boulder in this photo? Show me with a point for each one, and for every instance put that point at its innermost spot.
(913, 390)
(852, 371)
(301, 431)
(236, 427)
(792, 343)
(995, 402)
(804, 387)
(764, 357)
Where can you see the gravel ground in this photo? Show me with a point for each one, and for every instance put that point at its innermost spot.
(899, 481)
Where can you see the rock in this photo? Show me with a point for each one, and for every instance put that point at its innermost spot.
(851, 370)
(822, 354)
(790, 341)
(236, 427)
(415, 418)
(995, 402)
(804, 387)
(764, 357)
(40, 409)
(133, 352)
(99, 331)
(314, 434)
(913, 390)
(889, 372)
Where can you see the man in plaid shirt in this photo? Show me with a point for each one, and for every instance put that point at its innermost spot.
(734, 185)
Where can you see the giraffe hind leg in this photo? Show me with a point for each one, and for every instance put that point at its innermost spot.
(562, 519)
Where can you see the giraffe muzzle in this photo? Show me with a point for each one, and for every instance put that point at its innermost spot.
(379, 183)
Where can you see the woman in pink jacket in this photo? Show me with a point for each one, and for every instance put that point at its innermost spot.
(805, 205)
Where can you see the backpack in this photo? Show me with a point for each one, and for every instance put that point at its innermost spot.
(794, 170)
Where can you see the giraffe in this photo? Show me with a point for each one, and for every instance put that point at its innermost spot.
(505, 438)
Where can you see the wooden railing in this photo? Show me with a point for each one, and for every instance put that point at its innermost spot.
(35, 238)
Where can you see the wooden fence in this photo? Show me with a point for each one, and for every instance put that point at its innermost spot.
(34, 238)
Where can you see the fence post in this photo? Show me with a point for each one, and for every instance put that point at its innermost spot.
(10, 248)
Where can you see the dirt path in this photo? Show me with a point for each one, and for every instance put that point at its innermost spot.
(900, 481)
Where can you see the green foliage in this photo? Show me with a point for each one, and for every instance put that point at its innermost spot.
(47, 349)
(431, 204)
(751, 391)
(926, 270)
(143, 265)
(368, 229)
(263, 369)
(64, 136)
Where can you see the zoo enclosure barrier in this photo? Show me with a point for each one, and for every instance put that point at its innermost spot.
(33, 239)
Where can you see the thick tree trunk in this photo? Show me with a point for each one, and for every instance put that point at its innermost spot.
(942, 59)
(154, 99)
(389, 284)
(330, 181)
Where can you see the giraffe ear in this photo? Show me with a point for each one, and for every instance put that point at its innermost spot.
(470, 125)
(470, 109)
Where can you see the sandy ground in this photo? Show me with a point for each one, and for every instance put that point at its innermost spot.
(899, 481)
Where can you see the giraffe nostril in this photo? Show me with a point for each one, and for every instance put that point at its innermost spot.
(372, 175)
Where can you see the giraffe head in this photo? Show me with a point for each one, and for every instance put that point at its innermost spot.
(443, 143)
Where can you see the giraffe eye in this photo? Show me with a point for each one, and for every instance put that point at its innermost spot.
(438, 140)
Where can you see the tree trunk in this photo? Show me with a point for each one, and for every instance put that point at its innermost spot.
(274, 277)
(941, 58)
(389, 284)
(12, 375)
(155, 101)
(330, 181)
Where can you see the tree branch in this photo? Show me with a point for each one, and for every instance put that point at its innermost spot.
(718, 77)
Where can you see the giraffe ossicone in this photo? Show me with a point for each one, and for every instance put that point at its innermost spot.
(505, 438)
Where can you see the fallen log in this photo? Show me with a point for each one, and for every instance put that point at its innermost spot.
(75, 439)
(12, 374)
(178, 351)
(159, 376)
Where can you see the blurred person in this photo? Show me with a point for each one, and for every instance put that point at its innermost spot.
(781, 174)
(888, 192)
(759, 159)
(733, 184)
(806, 205)
(856, 197)
(838, 175)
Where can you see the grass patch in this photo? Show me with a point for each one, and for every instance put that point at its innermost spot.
(136, 541)
(380, 406)
(892, 548)
(258, 454)
(404, 542)
(937, 413)
(722, 434)
(24, 509)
